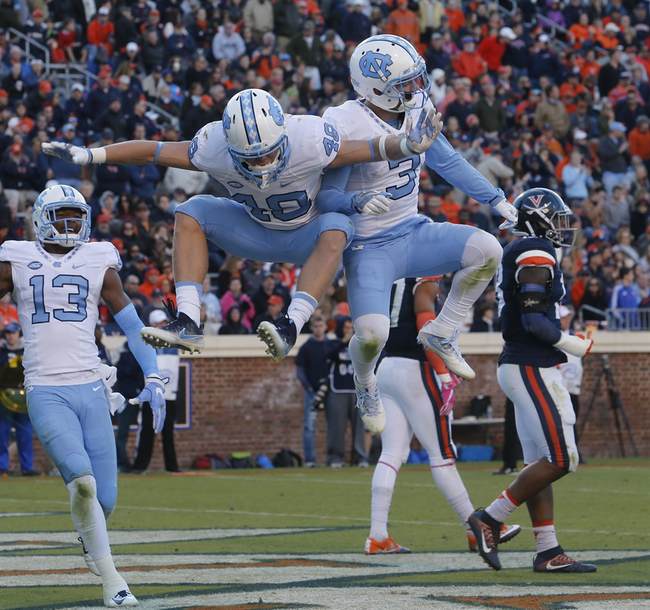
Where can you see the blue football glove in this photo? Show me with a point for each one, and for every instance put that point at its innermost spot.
(154, 394)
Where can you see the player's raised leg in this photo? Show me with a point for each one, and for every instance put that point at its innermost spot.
(474, 257)
(57, 413)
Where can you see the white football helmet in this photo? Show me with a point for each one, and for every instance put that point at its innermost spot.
(388, 72)
(256, 133)
(44, 216)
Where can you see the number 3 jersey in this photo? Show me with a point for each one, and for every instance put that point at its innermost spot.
(57, 298)
(288, 202)
(400, 179)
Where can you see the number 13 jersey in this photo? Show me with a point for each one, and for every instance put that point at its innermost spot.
(57, 298)
(400, 179)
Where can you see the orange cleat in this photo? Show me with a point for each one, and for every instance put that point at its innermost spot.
(387, 546)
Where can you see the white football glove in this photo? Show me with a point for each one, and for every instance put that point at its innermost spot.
(154, 394)
(79, 155)
(422, 127)
(372, 203)
(575, 345)
(116, 402)
(509, 212)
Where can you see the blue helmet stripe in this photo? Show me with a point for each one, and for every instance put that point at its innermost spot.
(250, 121)
(396, 40)
(67, 191)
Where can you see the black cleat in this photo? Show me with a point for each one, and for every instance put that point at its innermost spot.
(488, 532)
(555, 560)
(181, 333)
(279, 336)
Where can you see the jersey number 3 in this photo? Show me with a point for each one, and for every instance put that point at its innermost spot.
(76, 299)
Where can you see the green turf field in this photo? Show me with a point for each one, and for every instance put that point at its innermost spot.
(293, 538)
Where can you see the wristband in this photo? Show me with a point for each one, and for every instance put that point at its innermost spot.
(156, 155)
(382, 147)
(405, 148)
(97, 155)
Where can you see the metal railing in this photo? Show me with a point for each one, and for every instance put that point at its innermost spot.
(628, 319)
(64, 75)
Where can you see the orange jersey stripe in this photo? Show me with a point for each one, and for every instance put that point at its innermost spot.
(552, 428)
(535, 261)
(445, 441)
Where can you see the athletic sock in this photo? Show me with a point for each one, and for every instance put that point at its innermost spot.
(545, 536)
(502, 507)
(188, 300)
(383, 483)
(301, 308)
(448, 481)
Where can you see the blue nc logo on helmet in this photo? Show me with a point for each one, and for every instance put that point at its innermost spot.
(276, 112)
(375, 65)
(194, 146)
(226, 121)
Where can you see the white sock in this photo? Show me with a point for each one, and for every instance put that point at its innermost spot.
(370, 335)
(502, 507)
(188, 300)
(545, 537)
(448, 481)
(383, 483)
(89, 521)
(481, 259)
(300, 309)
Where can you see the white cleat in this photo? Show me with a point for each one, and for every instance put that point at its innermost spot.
(371, 407)
(120, 599)
(90, 562)
(448, 350)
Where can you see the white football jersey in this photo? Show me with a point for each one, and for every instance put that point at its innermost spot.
(288, 202)
(57, 298)
(400, 179)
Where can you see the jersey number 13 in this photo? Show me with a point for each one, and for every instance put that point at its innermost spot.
(77, 299)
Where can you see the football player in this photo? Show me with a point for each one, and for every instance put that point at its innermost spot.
(57, 282)
(418, 393)
(271, 164)
(391, 80)
(530, 288)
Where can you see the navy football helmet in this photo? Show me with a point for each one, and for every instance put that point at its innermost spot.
(543, 213)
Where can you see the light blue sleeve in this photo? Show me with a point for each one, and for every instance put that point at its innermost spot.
(450, 165)
(332, 196)
(130, 323)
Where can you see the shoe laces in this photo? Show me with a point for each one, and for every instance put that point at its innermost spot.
(451, 344)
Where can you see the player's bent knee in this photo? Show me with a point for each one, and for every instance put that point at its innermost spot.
(337, 228)
(333, 241)
(485, 251)
(82, 490)
(372, 332)
(107, 498)
(392, 460)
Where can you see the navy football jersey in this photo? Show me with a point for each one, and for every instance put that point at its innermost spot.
(521, 347)
(402, 340)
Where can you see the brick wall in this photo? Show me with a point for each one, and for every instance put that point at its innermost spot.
(256, 405)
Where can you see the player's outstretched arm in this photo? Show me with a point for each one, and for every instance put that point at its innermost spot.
(132, 152)
(421, 132)
(333, 196)
(6, 278)
(126, 317)
(455, 169)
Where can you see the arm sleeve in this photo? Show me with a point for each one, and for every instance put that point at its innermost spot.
(450, 165)
(128, 320)
(332, 196)
(539, 325)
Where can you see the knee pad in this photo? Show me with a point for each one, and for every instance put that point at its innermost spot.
(82, 490)
(371, 332)
(483, 250)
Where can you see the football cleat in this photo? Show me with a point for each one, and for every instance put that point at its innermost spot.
(371, 408)
(447, 349)
(555, 560)
(387, 546)
(279, 336)
(90, 562)
(120, 599)
(181, 333)
(507, 533)
(487, 533)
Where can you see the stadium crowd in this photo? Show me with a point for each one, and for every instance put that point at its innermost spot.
(553, 94)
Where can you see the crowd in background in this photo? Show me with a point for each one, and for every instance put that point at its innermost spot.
(553, 94)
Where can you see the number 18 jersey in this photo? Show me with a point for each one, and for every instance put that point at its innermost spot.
(400, 179)
(57, 298)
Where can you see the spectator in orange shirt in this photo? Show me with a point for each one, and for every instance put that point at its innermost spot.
(151, 282)
(468, 62)
(608, 38)
(492, 48)
(589, 67)
(405, 23)
(455, 16)
(639, 139)
(450, 208)
(100, 35)
(580, 31)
